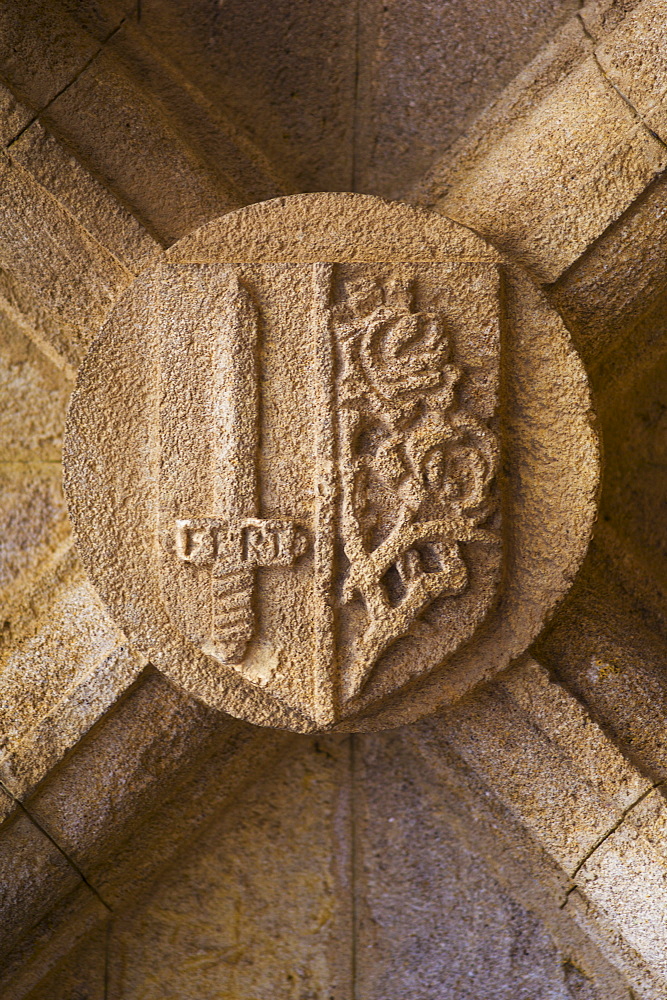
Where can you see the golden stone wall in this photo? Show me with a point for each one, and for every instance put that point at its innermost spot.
(511, 843)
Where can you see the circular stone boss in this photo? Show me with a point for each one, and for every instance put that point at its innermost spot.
(330, 462)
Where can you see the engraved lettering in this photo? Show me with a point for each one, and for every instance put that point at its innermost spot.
(261, 545)
(403, 473)
(302, 484)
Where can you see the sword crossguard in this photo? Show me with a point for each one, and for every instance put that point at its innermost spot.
(248, 542)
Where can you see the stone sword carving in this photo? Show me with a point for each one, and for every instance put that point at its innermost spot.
(380, 371)
(217, 554)
(235, 488)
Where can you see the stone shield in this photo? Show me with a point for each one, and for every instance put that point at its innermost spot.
(325, 462)
(328, 466)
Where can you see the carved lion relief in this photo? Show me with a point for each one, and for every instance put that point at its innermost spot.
(304, 472)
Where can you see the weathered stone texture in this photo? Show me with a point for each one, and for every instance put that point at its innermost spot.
(150, 145)
(634, 60)
(286, 76)
(41, 54)
(519, 381)
(618, 281)
(418, 922)
(48, 252)
(81, 975)
(158, 763)
(33, 399)
(34, 522)
(34, 874)
(427, 895)
(512, 846)
(262, 907)
(70, 920)
(53, 650)
(14, 116)
(85, 197)
(525, 727)
(547, 212)
(604, 650)
(425, 71)
(600, 17)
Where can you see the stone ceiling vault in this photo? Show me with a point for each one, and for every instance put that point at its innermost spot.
(542, 127)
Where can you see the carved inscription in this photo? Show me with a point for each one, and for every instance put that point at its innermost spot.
(232, 551)
(325, 493)
(250, 542)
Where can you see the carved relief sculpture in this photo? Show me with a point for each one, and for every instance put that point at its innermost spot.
(208, 462)
(300, 509)
(332, 466)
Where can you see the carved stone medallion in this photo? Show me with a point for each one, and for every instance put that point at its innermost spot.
(330, 462)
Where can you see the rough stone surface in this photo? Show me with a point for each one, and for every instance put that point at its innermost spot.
(50, 654)
(625, 878)
(69, 921)
(497, 734)
(34, 517)
(510, 846)
(85, 197)
(287, 77)
(550, 135)
(411, 400)
(399, 949)
(272, 919)
(540, 80)
(160, 133)
(602, 647)
(159, 762)
(546, 212)
(634, 60)
(620, 279)
(442, 896)
(33, 398)
(33, 874)
(600, 17)
(425, 70)
(65, 269)
(14, 116)
(80, 975)
(194, 187)
(347, 98)
(43, 53)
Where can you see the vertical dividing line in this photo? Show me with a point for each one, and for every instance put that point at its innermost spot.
(324, 656)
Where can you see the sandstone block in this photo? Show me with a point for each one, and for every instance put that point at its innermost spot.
(47, 251)
(85, 197)
(33, 399)
(34, 874)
